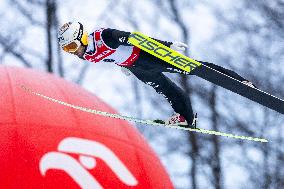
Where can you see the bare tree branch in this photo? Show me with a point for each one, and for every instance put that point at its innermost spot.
(9, 48)
(27, 13)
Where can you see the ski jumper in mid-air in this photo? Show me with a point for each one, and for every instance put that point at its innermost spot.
(111, 46)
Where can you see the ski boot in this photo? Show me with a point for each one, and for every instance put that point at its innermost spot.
(178, 120)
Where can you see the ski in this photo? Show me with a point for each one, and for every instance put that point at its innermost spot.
(187, 64)
(142, 121)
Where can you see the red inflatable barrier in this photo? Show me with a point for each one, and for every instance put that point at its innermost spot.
(47, 145)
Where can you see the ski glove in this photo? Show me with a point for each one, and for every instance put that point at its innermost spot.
(178, 46)
(125, 71)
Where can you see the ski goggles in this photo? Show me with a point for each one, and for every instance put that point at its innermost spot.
(72, 47)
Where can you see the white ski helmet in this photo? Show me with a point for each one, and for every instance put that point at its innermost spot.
(71, 36)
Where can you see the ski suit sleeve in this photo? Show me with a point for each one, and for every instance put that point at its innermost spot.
(113, 38)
